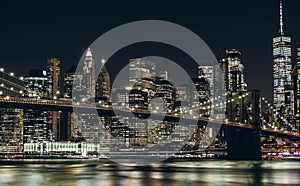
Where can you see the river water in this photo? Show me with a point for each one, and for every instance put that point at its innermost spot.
(205, 172)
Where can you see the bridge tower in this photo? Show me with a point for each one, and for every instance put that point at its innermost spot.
(243, 143)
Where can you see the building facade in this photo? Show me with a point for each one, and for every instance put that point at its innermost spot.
(282, 73)
(103, 94)
(11, 122)
(89, 80)
(296, 76)
(53, 75)
(140, 68)
(69, 77)
(233, 70)
(36, 126)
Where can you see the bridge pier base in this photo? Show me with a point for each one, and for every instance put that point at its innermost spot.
(243, 144)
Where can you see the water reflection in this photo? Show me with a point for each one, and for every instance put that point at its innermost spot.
(179, 173)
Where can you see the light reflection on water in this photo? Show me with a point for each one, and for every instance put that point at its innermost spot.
(179, 173)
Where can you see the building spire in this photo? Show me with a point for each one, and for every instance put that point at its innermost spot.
(281, 19)
(88, 53)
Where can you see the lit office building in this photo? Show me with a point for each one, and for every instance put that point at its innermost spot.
(53, 75)
(103, 87)
(141, 93)
(11, 130)
(121, 98)
(167, 92)
(69, 121)
(282, 66)
(208, 73)
(11, 123)
(88, 81)
(36, 84)
(296, 74)
(183, 96)
(140, 68)
(164, 75)
(233, 70)
(282, 74)
(69, 77)
(138, 99)
(85, 86)
(36, 128)
(202, 92)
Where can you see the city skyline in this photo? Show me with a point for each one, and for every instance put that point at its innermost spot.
(207, 96)
(146, 93)
(219, 28)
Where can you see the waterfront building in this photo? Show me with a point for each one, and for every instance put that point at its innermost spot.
(61, 149)
(36, 126)
(11, 122)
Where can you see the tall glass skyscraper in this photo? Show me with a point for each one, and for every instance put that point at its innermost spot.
(233, 70)
(36, 128)
(282, 70)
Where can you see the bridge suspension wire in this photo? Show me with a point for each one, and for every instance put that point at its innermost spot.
(275, 112)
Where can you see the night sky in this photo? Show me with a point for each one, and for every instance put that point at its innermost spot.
(33, 30)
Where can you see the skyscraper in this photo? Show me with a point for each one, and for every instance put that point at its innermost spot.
(103, 87)
(53, 75)
(140, 68)
(208, 73)
(69, 77)
(89, 75)
(36, 84)
(233, 70)
(36, 128)
(282, 70)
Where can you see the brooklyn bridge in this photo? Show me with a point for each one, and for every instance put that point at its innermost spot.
(243, 140)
